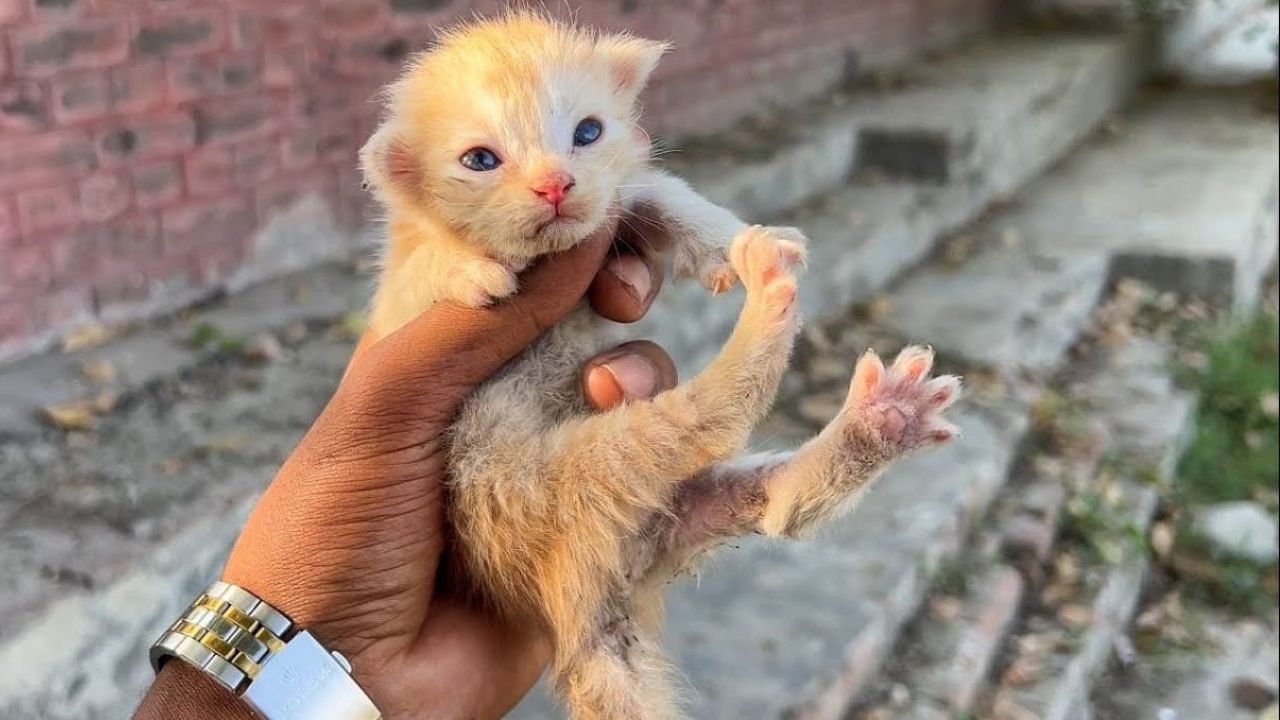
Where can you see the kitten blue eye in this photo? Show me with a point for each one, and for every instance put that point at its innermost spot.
(480, 159)
(587, 132)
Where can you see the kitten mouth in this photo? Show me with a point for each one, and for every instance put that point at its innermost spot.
(553, 221)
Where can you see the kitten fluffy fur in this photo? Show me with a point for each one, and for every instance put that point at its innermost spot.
(574, 519)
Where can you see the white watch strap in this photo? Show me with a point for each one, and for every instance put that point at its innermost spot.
(255, 651)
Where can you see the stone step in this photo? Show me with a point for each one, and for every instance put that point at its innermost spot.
(951, 648)
(1180, 193)
(1002, 112)
(1103, 411)
(1053, 669)
(1005, 108)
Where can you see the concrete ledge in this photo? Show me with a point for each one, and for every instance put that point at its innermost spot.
(1001, 112)
(1182, 193)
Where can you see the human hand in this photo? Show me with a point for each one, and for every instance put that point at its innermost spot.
(348, 538)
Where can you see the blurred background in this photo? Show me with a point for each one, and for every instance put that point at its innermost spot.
(1074, 202)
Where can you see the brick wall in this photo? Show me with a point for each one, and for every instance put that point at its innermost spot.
(148, 147)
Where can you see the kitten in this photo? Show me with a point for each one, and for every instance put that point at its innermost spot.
(512, 139)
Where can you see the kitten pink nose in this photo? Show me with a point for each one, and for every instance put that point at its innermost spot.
(554, 186)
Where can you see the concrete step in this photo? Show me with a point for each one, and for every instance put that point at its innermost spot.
(1002, 112)
(951, 648)
(1180, 193)
(1104, 410)
(998, 113)
(1053, 668)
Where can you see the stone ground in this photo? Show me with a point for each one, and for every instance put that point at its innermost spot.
(916, 237)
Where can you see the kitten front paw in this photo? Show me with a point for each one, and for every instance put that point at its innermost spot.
(712, 266)
(763, 257)
(901, 407)
(479, 282)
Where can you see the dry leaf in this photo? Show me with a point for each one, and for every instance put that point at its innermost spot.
(71, 416)
(86, 336)
(104, 403)
(1163, 535)
(1023, 671)
(945, 608)
(99, 371)
(1075, 616)
(879, 307)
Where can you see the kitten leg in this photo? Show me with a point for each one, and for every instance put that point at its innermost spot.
(622, 675)
(708, 418)
(699, 230)
(888, 413)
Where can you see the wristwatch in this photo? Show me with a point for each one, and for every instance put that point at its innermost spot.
(256, 652)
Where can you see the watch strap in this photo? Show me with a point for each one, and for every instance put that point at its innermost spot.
(256, 652)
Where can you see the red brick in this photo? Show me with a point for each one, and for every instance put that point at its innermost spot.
(103, 196)
(11, 11)
(130, 241)
(15, 318)
(207, 225)
(180, 34)
(286, 67)
(83, 96)
(121, 287)
(353, 17)
(225, 121)
(25, 268)
(275, 26)
(146, 137)
(138, 87)
(52, 208)
(255, 162)
(298, 148)
(23, 107)
(47, 10)
(58, 309)
(374, 59)
(282, 192)
(209, 75)
(44, 158)
(9, 232)
(157, 184)
(209, 172)
(85, 44)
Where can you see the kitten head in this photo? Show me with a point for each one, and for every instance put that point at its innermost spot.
(514, 132)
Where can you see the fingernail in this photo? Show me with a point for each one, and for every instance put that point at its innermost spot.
(635, 375)
(633, 274)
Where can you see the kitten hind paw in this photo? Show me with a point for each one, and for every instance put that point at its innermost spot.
(902, 405)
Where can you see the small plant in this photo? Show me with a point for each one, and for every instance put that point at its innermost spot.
(1235, 452)
(206, 336)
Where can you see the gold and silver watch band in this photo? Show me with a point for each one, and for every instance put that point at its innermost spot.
(253, 650)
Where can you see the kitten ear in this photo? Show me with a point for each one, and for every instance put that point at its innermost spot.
(388, 164)
(631, 60)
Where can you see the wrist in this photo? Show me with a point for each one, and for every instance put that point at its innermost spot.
(181, 692)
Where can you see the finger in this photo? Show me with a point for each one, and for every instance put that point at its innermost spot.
(634, 371)
(626, 287)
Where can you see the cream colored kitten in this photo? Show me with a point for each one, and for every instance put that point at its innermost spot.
(510, 140)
